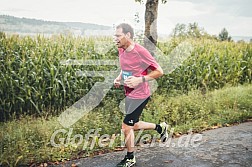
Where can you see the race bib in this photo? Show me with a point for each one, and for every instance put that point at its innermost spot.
(126, 74)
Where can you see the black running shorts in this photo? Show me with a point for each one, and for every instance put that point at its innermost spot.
(133, 110)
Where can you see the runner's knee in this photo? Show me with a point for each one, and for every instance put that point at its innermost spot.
(126, 128)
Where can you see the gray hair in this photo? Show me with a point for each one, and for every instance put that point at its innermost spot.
(126, 28)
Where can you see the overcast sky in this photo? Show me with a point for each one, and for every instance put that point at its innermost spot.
(212, 15)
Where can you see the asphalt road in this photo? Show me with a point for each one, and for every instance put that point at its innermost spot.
(228, 147)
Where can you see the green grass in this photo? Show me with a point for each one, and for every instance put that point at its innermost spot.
(201, 111)
(27, 140)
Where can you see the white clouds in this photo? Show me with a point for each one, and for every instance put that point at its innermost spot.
(240, 8)
(213, 15)
(179, 9)
(98, 11)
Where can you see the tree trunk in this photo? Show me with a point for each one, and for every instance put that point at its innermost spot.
(151, 12)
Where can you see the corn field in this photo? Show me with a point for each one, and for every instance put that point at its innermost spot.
(212, 65)
(34, 82)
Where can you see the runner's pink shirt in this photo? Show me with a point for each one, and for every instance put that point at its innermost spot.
(136, 63)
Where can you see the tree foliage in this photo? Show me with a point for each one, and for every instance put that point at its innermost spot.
(191, 30)
(224, 36)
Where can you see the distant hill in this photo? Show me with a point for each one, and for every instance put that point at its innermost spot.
(26, 26)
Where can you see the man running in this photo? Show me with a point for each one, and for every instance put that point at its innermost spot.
(135, 62)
